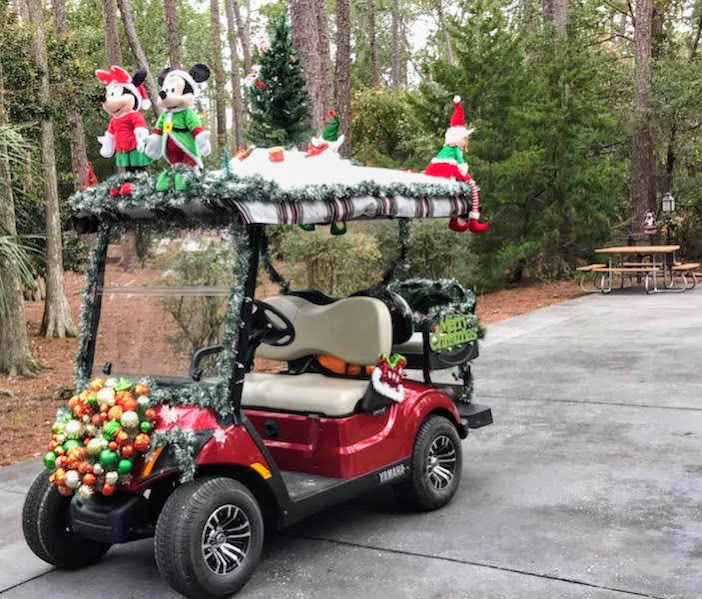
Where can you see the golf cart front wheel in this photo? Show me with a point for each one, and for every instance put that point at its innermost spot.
(209, 538)
(437, 462)
(47, 528)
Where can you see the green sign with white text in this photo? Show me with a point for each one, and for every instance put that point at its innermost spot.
(450, 332)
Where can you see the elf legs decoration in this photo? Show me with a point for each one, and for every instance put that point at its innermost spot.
(473, 225)
(174, 155)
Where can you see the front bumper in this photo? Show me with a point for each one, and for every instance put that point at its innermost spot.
(117, 519)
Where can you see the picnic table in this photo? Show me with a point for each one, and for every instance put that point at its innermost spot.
(636, 262)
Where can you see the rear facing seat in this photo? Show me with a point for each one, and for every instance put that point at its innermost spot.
(355, 329)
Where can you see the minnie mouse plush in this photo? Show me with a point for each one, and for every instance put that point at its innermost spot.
(178, 136)
(125, 96)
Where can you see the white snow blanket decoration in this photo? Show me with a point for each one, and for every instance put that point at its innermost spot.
(296, 171)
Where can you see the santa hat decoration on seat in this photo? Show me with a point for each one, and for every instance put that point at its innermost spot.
(449, 164)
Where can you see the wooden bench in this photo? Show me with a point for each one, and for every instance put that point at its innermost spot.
(687, 268)
(589, 267)
(586, 270)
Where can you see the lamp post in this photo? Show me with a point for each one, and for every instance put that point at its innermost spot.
(667, 203)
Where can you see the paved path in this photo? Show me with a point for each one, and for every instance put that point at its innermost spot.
(589, 485)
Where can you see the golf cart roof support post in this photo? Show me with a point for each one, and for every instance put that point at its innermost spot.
(236, 385)
(101, 242)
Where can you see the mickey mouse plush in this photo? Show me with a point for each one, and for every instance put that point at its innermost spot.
(124, 97)
(178, 135)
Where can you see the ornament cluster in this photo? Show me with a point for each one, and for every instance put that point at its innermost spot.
(97, 439)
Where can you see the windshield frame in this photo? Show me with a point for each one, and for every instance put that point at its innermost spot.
(224, 395)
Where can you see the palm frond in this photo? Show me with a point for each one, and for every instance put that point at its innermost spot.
(15, 252)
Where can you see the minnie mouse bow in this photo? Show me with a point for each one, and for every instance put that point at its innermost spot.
(115, 74)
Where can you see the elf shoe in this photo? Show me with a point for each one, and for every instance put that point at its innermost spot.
(477, 227)
(164, 181)
(307, 227)
(458, 224)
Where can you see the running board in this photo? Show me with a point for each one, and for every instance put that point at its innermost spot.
(476, 415)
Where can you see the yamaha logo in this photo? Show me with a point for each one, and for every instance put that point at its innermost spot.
(392, 473)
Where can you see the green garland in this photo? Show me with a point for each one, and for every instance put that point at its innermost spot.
(183, 443)
(87, 313)
(218, 190)
(273, 274)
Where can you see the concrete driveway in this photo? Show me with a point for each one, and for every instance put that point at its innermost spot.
(588, 485)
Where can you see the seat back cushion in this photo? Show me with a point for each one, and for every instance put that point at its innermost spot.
(355, 329)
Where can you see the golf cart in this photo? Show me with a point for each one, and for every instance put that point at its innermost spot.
(233, 446)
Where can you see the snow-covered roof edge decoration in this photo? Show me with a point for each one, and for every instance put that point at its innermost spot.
(317, 190)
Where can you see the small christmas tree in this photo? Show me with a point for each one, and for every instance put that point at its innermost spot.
(280, 104)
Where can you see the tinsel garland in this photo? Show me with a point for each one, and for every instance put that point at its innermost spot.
(217, 191)
(87, 312)
(183, 443)
(273, 274)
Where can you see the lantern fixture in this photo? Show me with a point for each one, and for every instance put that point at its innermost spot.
(667, 203)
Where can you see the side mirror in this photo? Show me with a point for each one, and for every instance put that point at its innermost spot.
(198, 356)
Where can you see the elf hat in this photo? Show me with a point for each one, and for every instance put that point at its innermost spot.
(331, 129)
(457, 131)
(122, 77)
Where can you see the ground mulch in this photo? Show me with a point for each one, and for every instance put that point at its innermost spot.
(28, 405)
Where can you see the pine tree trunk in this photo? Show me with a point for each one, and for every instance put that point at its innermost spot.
(244, 37)
(325, 63)
(641, 197)
(343, 71)
(173, 31)
(303, 17)
(219, 79)
(448, 45)
(113, 51)
(125, 9)
(15, 354)
(395, 73)
(79, 156)
(560, 16)
(57, 321)
(237, 101)
(373, 43)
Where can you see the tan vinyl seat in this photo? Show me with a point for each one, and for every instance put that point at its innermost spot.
(355, 329)
(309, 393)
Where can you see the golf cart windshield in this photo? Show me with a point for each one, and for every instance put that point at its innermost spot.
(163, 299)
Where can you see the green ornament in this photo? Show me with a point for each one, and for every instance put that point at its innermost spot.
(124, 466)
(71, 443)
(57, 428)
(49, 460)
(146, 426)
(108, 459)
(92, 399)
(111, 428)
(123, 385)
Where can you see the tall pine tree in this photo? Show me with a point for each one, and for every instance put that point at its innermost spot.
(280, 105)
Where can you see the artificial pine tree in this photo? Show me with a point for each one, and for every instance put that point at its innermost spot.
(280, 104)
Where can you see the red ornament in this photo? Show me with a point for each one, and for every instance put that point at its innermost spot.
(115, 413)
(140, 389)
(89, 479)
(96, 420)
(108, 489)
(112, 446)
(142, 442)
(127, 451)
(60, 462)
(65, 491)
(121, 437)
(114, 192)
(260, 84)
(126, 189)
(150, 414)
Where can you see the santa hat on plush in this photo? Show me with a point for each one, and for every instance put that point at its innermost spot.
(120, 76)
(449, 164)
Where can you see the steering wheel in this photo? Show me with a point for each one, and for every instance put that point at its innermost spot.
(271, 326)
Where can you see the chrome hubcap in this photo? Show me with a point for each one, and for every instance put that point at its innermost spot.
(441, 462)
(226, 539)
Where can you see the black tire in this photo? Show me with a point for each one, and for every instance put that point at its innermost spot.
(420, 491)
(180, 538)
(47, 528)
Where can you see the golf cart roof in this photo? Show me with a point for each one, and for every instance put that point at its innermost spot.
(299, 190)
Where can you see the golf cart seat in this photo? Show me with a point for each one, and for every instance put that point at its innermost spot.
(355, 329)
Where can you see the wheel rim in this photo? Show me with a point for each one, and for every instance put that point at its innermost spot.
(226, 539)
(441, 463)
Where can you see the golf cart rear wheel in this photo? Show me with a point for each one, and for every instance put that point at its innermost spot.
(209, 538)
(47, 529)
(437, 462)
